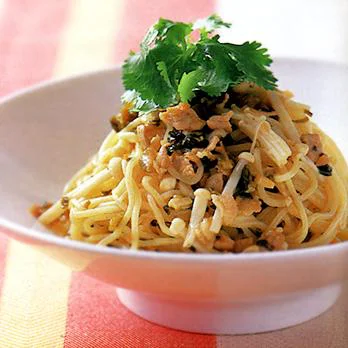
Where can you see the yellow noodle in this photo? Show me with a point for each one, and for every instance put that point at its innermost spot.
(85, 170)
(99, 211)
(111, 237)
(96, 238)
(94, 225)
(248, 222)
(135, 221)
(158, 215)
(113, 200)
(150, 189)
(75, 230)
(331, 231)
(291, 172)
(94, 202)
(166, 196)
(287, 125)
(277, 219)
(108, 142)
(272, 199)
(299, 235)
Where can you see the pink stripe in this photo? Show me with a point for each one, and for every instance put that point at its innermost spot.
(96, 318)
(29, 36)
(140, 14)
(29, 33)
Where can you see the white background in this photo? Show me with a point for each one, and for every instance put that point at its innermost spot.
(315, 29)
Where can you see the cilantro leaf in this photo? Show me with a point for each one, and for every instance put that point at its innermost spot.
(188, 84)
(142, 74)
(220, 71)
(173, 32)
(253, 60)
(167, 31)
(162, 68)
(210, 24)
(170, 67)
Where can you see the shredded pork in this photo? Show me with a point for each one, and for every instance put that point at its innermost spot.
(247, 207)
(230, 209)
(221, 122)
(182, 164)
(149, 131)
(182, 117)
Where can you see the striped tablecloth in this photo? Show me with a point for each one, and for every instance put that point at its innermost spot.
(42, 303)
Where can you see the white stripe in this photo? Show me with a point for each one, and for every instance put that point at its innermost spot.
(34, 300)
(89, 37)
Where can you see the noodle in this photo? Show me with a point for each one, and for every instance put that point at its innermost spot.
(279, 182)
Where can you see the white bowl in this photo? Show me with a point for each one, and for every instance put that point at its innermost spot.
(47, 132)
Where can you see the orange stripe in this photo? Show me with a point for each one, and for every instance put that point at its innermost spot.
(29, 33)
(96, 318)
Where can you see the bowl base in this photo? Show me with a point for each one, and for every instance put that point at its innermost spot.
(230, 318)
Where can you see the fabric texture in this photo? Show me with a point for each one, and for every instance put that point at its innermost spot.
(42, 303)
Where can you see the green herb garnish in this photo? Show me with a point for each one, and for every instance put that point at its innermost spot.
(171, 67)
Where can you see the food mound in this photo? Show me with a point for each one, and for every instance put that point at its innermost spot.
(206, 155)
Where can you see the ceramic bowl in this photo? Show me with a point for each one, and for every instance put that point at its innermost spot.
(47, 132)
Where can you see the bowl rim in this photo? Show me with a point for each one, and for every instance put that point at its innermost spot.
(51, 83)
(48, 238)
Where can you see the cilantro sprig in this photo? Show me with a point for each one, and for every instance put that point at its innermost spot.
(170, 67)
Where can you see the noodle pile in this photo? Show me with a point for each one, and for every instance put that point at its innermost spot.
(245, 172)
